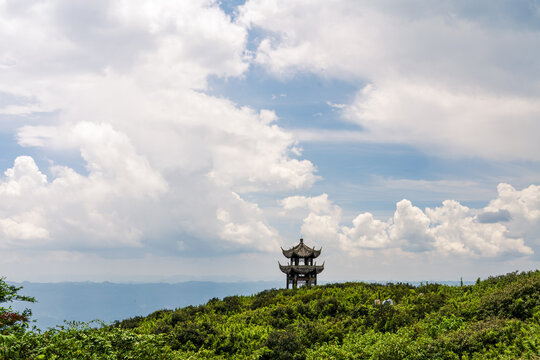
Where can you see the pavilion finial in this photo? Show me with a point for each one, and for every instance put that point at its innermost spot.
(301, 241)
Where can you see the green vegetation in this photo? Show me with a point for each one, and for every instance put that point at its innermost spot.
(498, 318)
(12, 321)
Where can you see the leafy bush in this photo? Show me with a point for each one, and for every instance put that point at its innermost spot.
(192, 336)
(518, 299)
(284, 345)
(10, 320)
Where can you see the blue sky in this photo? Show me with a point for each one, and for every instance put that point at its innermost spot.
(165, 140)
(304, 102)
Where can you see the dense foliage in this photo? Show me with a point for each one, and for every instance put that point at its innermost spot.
(12, 321)
(498, 318)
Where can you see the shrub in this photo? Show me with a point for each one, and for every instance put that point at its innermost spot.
(516, 300)
(284, 345)
(12, 321)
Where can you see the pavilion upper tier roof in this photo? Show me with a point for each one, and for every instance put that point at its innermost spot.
(301, 269)
(301, 250)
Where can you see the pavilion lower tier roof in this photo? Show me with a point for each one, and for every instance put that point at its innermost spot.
(301, 269)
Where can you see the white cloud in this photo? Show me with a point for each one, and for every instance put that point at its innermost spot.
(523, 210)
(322, 222)
(442, 77)
(410, 227)
(243, 228)
(23, 178)
(124, 200)
(449, 122)
(14, 231)
(111, 159)
(74, 210)
(456, 230)
(451, 229)
(66, 39)
(519, 203)
(318, 204)
(169, 168)
(366, 233)
(419, 40)
(120, 83)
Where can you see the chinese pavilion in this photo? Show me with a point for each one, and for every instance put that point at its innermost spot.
(301, 267)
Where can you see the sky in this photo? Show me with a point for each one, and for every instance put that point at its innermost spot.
(154, 140)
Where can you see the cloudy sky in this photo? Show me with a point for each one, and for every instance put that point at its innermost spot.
(154, 140)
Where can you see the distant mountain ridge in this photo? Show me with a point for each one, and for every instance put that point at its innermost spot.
(85, 301)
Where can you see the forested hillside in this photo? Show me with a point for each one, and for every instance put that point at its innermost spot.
(497, 318)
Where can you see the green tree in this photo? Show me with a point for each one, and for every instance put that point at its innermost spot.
(10, 320)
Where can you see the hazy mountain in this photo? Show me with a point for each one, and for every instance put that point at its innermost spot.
(85, 301)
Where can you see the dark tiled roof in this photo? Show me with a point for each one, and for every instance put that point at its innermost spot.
(301, 269)
(301, 250)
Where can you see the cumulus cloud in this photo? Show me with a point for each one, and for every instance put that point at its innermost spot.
(523, 207)
(366, 233)
(410, 227)
(242, 227)
(35, 208)
(440, 76)
(172, 169)
(24, 177)
(318, 204)
(450, 229)
(64, 39)
(524, 203)
(123, 87)
(13, 231)
(322, 222)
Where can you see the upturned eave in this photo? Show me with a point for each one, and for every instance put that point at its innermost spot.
(302, 251)
(301, 269)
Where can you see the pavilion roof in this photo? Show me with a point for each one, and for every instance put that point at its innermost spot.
(301, 269)
(301, 250)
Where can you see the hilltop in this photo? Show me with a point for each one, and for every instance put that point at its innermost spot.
(495, 318)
